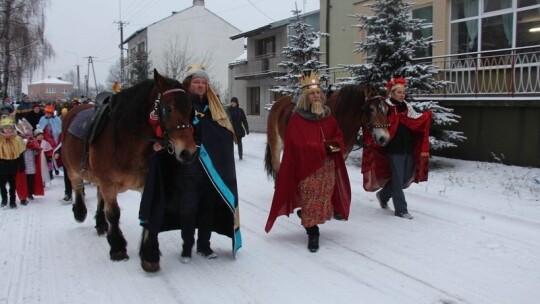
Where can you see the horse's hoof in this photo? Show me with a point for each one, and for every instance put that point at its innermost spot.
(102, 230)
(79, 214)
(149, 267)
(119, 256)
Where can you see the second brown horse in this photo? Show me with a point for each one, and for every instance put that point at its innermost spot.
(352, 105)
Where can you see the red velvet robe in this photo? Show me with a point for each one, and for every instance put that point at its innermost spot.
(22, 185)
(303, 154)
(375, 166)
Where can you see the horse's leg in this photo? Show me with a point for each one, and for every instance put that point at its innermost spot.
(114, 236)
(149, 251)
(79, 207)
(276, 154)
(101, 223)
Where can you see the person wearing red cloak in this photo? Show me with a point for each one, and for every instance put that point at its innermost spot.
(404, 159)
(312, 175)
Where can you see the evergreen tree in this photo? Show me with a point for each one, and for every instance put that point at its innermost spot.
(390, 49)
(302, 56)
(140, 69)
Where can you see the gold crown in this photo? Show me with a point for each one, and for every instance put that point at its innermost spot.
(6, 121)
(310, 82)
(195, 66)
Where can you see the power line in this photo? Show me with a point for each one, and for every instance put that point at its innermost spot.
(260, 10)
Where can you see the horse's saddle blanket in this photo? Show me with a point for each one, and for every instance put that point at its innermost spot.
(89, 123)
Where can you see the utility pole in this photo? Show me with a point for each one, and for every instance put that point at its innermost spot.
(121, 27)
(78, 73)
(91, 63)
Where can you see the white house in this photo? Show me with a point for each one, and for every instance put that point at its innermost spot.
(196, 32)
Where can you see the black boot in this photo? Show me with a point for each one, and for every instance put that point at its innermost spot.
(313, 238)
(12, 203)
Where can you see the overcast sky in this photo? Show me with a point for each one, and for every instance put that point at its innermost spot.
(78, 29)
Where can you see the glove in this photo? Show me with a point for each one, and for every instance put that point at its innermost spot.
(247, 132)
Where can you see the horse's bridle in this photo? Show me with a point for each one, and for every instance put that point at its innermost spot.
(380, 112)
(162, 113)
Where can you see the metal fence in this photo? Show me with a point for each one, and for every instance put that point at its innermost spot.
(504, 73)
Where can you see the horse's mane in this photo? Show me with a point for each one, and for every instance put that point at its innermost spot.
(347, 94)
(130, 107)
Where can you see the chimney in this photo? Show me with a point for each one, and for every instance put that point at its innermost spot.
(198, 2)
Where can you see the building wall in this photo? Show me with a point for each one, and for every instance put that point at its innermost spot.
(509, 130)
(205, 33)
(39, 91)
(239, 88)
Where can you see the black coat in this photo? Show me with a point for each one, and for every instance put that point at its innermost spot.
(239, 121)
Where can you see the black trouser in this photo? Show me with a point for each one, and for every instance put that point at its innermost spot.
(239, 143)
(30, 183)
(68, 188)
(9, 180)
(197, 201)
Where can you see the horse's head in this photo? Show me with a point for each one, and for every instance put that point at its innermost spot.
(376, 120)
(173, 110)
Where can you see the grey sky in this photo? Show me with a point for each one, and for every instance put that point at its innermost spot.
(78, 29)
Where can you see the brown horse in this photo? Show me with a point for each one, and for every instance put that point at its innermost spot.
(352, 105)
(116, 160)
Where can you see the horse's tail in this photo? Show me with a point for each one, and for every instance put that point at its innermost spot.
(268, 163)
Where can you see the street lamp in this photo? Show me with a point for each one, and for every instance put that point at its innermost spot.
(78, 75)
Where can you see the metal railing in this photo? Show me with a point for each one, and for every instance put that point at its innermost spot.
(501, 73)
(258, 67)
(505, 72)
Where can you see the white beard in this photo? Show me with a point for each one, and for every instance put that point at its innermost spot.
(317, 108)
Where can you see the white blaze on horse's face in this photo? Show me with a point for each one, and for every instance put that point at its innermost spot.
(379, 122)
(198, 86)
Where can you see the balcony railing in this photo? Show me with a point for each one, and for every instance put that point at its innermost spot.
(513, 72)
(265, 66)
(501, 73)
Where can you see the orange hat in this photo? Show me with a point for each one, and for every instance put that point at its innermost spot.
(49, 109)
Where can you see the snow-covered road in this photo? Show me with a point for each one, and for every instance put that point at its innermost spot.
(475, 238)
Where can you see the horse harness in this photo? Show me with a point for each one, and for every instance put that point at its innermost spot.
(380, 111)
(160, 114)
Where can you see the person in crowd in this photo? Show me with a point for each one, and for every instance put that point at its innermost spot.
(51, 125)
(405, 158)
(57, 164)
(11, 150)
(68, 188)
(35, 115)
(312, 175)
(205, 191)
(45, 156)
(6, 107)
(29, 181)
(239, 122)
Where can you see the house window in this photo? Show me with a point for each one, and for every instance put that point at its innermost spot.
(426, 14)
(524, 3)
(266, 46)
(254, 101)
(50, 90)
(487, 25)
(141, 47)
(528, 27)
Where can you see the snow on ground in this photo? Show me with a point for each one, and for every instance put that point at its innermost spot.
(475, 238)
